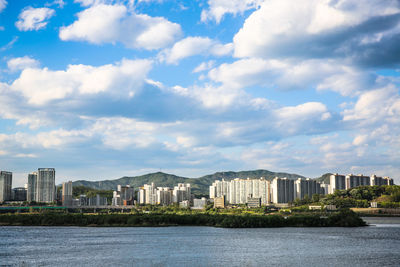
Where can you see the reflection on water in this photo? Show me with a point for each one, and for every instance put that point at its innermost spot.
(199, 246)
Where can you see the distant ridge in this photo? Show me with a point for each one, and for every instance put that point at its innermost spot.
(200, 186)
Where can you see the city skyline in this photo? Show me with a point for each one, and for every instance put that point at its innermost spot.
(101, 89)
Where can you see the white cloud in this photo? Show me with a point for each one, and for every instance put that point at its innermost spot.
(191, 46)
(34, 18)
(204, 66)
(3, 4)
(92, 2)
(218, 8)
(113, 23)
(21, 63)
(376, 107)
(58, 3)
(315, 28)
(122, 79)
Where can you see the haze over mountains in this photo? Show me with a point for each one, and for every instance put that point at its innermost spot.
(200, 185)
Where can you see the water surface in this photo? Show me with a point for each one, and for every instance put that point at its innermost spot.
(199, 246)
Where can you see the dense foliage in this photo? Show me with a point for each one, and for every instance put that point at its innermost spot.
(361, 197)
(344, 218)
(90, 192)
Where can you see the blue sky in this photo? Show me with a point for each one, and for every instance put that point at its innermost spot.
(99, 89)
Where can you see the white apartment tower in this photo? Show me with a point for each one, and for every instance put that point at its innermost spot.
(45, 186)
(181, 193)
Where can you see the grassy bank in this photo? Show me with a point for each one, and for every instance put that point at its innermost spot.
(344, 218)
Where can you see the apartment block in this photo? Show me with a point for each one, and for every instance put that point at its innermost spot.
(5, 186)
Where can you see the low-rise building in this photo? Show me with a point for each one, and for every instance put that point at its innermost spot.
(253, 202)
(219, 202)
(199, 203)
(19, 194)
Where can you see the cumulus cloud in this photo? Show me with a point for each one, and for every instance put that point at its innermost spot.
(58, 3)
(286, 74)
(21, 63)
(3, 4)
(33, 19)
(203, 66)
(113, 23)
(191, 46)
(376, 106)
(363, 31)
(122, 79)
(218, 8)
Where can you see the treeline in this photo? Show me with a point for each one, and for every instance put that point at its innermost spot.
(387, 196)
(90, 192)
(345, 218)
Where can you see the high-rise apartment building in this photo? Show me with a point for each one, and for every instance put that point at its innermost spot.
(5, 186)
(123, 196)
(32, 184)
(307, 187)
(67, 193)
(46, 187)
(164, 196)
(356, 180)
(388, 181)
(283, 190)
(337, 182)
(181, 193)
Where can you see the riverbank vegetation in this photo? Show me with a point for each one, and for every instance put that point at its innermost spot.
(344, 218)
(386, 196)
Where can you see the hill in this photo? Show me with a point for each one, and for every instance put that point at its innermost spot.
(200, 186)
(325, 178)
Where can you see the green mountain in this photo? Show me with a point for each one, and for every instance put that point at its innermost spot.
(324, 178)
(200, 186)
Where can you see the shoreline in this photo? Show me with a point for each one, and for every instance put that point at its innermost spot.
(341, 219)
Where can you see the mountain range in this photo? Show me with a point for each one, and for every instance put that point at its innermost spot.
(200, 186)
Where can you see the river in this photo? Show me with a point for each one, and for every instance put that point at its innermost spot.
(199, 246)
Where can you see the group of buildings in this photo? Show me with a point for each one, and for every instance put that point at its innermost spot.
(339, 181)
(153, 195)
(258, 192)
(41, 187)
(83, 200)
(150, 194)
(279, 190)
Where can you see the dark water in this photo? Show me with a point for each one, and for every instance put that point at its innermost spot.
(199, 246)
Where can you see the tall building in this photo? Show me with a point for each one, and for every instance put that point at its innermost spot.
(67, 193)
(337, 182)
(45, 186)
(237, 191)
(123, 196)
(5, 186)
(283, 190)
(147, 194)
(219, 188)
(376, 180)
(325, 188)
(181, 193)
(32, 184)
(356, 180)
(164, 196)
(388, 181)
(307, 187)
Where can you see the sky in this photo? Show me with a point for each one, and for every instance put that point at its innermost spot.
(100, 89)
